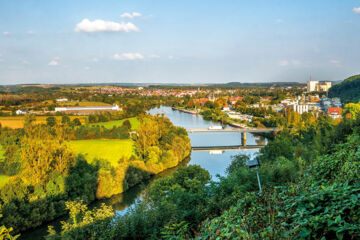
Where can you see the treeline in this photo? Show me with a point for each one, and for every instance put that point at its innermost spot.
(310, 191)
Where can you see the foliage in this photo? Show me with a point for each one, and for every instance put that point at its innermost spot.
(348, 90)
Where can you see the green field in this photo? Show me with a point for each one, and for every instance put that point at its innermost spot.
(111, 150)
(3, 180)
(133, 121)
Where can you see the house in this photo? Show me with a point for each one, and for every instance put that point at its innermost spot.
(226, 107)
(62, 100)
(334, 112)
(21, 112)
(234, 100)
(88, 109)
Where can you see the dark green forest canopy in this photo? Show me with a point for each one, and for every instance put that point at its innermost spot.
(348, 90)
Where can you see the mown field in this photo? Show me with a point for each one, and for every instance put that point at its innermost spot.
(109, 149)
(18, 121)
(133, 121)
(3, 180)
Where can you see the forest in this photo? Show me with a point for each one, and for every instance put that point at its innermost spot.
(348, 90)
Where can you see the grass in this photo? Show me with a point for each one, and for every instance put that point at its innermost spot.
(18, 121)
(3, 180)
(133, 121)
(111, 150)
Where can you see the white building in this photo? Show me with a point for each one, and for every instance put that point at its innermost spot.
(21, 112)
(89, 108)
(316, 86)
(312, 86)
(62, 100)
(300, 108)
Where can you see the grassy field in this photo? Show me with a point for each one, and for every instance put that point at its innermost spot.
(133, 121)
(111, 150)
(18, 121)
(3, 180)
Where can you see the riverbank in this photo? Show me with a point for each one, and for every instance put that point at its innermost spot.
(186, 111)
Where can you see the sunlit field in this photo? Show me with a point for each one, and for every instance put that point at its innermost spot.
(133, 121)
(18, 121)
(111, 150)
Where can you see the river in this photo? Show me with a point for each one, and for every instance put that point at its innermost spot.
(215, 162)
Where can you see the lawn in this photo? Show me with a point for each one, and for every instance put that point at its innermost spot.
(3, 180)
(133, 121)
(111, 150)
(18, 121)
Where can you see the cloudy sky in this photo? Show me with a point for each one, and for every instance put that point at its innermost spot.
(187, 41)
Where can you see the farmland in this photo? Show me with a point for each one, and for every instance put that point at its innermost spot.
(133, 121)
(111, 150)
(18, 121)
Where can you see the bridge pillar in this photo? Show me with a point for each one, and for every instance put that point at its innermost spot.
(243, 139)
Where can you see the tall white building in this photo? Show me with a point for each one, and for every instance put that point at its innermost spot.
(312, 86)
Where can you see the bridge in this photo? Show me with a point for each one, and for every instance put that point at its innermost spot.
(226, 148)
(241, 130)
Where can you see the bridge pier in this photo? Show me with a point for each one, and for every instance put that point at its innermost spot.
(243, 139)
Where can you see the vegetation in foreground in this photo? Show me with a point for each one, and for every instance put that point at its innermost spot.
(46, 172)
(311, 190)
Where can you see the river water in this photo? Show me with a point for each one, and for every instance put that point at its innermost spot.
(215, 162)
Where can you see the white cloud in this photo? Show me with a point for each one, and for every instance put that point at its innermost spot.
(293, 62)
(130, 15)
(86, 68)
(104, 26)
(25, 62)
(6, 33)
(56, 58)
(283, 63)
(1, 60)
(335, 62)
(356, 10)
(53, 63)
(95, 59)
(279, 20)
(153, 56)
(170, 57)
(30, 32)
(128, 56)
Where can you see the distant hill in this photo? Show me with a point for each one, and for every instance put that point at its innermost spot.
(348, 90)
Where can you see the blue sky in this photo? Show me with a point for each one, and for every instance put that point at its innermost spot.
(178, 41)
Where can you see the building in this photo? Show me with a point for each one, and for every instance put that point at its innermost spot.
(312, 86)
(300, 108)
(334, 112)
(316, 86)
(88, 109)
(21, 112)
(62, 100)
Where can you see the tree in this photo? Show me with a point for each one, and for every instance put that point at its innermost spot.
(51, 121)
(76, 122)
(65, 120)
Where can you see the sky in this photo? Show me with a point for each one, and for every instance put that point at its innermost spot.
(187, 41)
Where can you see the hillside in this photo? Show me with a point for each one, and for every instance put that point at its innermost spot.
(348, 90)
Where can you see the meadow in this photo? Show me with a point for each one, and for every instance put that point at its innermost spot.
(3, 180)
(133, 121)
(18, 121)
(111, 150)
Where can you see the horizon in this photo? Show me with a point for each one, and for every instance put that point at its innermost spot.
(137, 42)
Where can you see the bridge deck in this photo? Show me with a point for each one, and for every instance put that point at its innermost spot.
(241, 130)
(232, 147)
